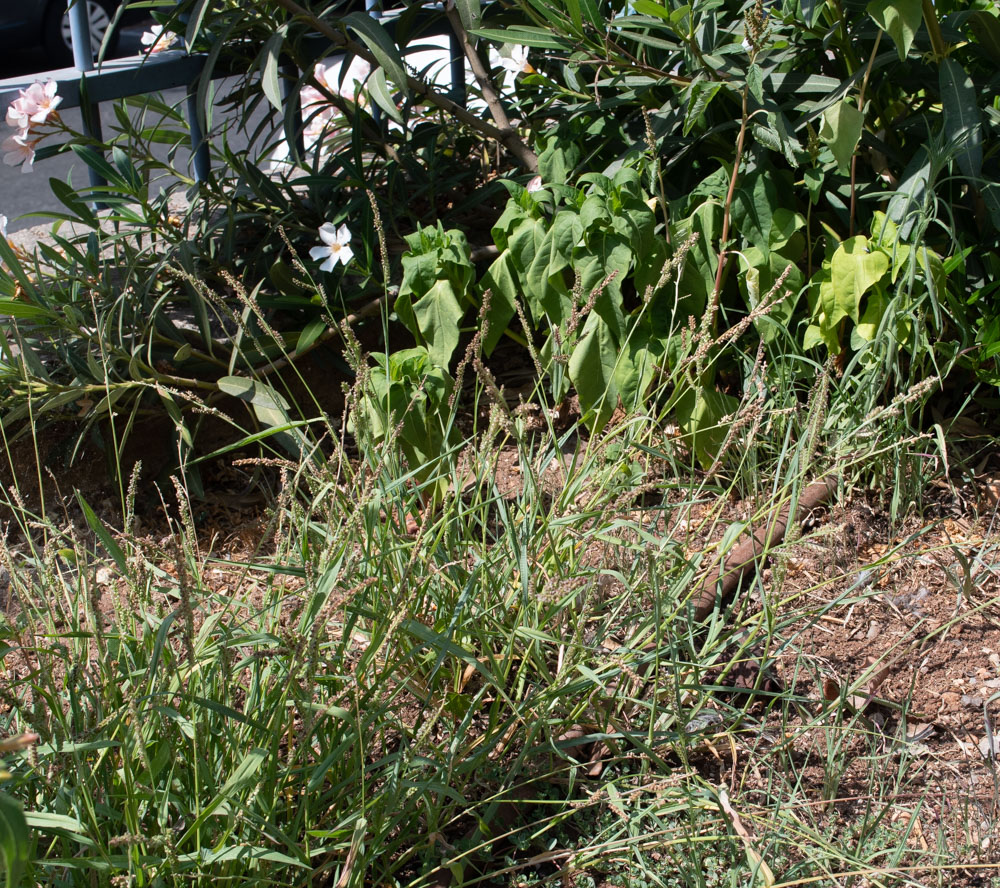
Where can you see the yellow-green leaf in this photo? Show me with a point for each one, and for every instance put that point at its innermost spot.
(854, 269)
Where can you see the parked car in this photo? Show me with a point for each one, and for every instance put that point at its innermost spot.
(27, 24)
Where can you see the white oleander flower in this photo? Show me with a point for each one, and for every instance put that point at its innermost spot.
(335, 247)
(511, 57)
(19, 149)
(157, 39)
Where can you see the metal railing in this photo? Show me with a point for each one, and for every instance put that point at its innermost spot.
(86, 85)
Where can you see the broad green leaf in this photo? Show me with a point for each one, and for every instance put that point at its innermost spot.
(637, 362)
(754, 205)
(841, 130)
(378, 41)
(869, 323)
(961, 117)
(900, 19)
(700, 411)
(755, 82)
(853, 271)
(544, 285)
(813, 178)
(821, 333)
(14, 839)
(700, 95)
(438, 315)
(592, 369)
(501, 280)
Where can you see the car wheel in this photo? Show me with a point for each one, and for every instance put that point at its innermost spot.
(58, 43)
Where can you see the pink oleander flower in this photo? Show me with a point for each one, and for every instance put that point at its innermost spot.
(33, 106)
(19, 149)
(157, 39)
(353, 80)
(335, 247)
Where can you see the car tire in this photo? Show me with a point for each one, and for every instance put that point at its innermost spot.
(55, 35)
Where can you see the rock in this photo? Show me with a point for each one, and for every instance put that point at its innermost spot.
(984, 745)
(950, 700)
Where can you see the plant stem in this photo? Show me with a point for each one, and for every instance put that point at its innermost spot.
(513, 141)
(934, 30)
(509, 140)
(861, 108)
(723, 252)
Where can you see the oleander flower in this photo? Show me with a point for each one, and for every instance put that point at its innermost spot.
(33, 106)
(335, 247)
(19, 149)
(157, 39)
(3, 226)
(512, 58)
(353, 79)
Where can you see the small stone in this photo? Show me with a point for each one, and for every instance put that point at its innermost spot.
(984, 745)
(950, 700)
(974, 702)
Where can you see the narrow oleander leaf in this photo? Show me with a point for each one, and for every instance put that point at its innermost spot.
(470, 12)
(962, 121)
(270, 81)
(378, 41)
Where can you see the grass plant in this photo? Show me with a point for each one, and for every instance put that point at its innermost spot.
(508, 696)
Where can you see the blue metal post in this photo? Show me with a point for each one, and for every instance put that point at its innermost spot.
(457, 69)
(201, 160)
(83, 60)
(372, 8)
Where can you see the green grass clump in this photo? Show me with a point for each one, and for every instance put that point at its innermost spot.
(505, 695)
